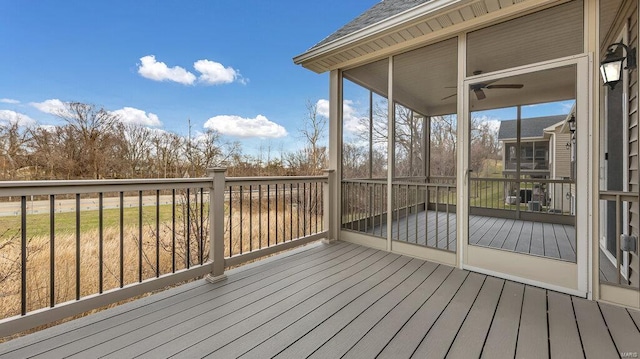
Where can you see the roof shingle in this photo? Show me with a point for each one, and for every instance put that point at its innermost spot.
(529, 128)
(382, 10)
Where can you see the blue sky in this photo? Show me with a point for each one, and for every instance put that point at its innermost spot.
(163, 62)
(225, 64)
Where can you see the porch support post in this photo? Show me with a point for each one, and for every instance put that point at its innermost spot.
(592, 45)
(390, 153)
(334, 172)
(329, 206)
(426, 157)
(462, 155)
(216, 223)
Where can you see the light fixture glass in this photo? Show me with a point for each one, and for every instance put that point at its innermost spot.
(611, 67)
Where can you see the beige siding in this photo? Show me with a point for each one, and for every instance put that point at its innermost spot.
(562, 156)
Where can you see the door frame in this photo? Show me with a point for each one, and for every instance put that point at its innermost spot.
(567, 277)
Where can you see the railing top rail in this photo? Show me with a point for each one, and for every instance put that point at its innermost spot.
(20, 188)
(372, 181)
(275, 179)
(418, 184)
(523, 180)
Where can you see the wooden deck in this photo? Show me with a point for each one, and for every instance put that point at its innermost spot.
(542, 239)
(343, 300)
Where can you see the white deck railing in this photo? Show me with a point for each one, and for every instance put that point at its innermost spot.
(67, 247)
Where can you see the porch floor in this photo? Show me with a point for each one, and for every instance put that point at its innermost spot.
(543, 239)
(341, 299)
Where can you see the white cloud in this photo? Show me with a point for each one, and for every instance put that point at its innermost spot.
(48, 128)
(9, 100)
(159, 71)
(136, 116)
(237, 126)
(214, 73)
(490, 122)
(52, 106)
(352, 123)
(15, 117)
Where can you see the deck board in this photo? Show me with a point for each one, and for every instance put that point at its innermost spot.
(257, 330)
(191, 331)
(152, 330)
(375, 340)
(564, 337)
(405, 342)
(532, 334)
(542, 239)
(125, 314)
(344, 300)
(593, 329)
(335, 320)
(352, 333)
(622, 328)
(438, 340)
(503, 334)
(473, 333)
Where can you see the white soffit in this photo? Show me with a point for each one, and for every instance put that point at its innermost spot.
(425, 21)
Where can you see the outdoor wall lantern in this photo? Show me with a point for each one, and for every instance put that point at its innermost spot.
(611, 67)
(572, 124)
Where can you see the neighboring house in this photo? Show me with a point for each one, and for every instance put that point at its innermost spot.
(538, 155)
(545, 153)
(444, 57)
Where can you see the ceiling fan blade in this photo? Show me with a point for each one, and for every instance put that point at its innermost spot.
(480, 94)
(505, 86)
(450, 96)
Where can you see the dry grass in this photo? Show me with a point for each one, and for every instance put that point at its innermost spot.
(250, 232)
(64, 265)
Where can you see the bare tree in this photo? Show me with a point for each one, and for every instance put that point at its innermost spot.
(313, 157)
(94, 137)
(13, 138)
(137, 150)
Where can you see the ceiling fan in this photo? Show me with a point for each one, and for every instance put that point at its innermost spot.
(478, 89)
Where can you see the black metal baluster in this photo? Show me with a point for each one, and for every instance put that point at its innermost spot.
(23, 255)
(276, 199)
(268, 216)
(139, 236)
(290, 211)
(77, 246)
(298, 209)
(241, 223)
(188, 223)
(121, 239)
(100, 241)
(173, 230)
(230, 222)
(259, 216)
(52, 250)
(157, 233)
(201, 249)
(250, 218)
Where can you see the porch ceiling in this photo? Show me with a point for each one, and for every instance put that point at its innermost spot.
(425, 78)
(428, 22)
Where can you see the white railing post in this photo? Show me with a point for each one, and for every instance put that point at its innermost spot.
(216, 223)
(329, 210)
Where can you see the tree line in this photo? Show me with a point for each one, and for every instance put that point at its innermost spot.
(93, 143)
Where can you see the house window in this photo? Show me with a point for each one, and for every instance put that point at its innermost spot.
(533, 156)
